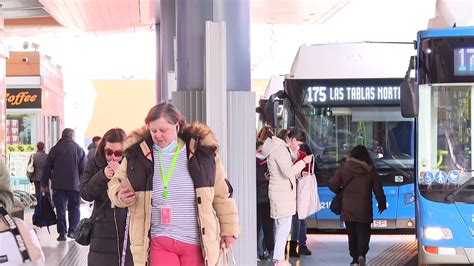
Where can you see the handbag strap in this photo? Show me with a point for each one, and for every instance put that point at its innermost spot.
(226, 252)
(344, 186)
(125, 239)
(13, 228)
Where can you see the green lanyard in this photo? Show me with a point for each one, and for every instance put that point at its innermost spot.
(166, 179)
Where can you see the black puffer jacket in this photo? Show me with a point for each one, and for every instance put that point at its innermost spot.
(357, 196)
(262, 182)
(104, 248)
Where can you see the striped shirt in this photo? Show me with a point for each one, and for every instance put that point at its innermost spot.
(182, 199)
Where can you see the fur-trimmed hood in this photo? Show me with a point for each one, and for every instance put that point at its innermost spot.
(358, 165)
(193, 133)
(136, 136)
(196, 134)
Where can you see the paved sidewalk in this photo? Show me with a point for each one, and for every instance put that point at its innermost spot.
(328, 249)
(64, 253)
(332, 249)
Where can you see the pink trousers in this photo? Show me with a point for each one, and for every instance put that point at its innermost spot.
(166, 251)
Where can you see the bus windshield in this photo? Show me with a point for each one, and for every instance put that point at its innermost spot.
(333, 132)
(445, 155)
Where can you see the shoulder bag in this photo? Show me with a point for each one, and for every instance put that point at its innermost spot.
(84, 227)
(226, 257)
(30, 168)
(307, 198)
(336, 203)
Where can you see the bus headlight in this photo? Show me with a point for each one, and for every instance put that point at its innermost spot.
(437, 233)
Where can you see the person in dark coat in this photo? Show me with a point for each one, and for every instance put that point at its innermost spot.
(6, 194)
(64, 166)
(264, 221)
(92, 148)
(109, 227)
(357, 199)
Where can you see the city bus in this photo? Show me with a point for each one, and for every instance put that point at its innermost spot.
(346, 94)
(440, 97)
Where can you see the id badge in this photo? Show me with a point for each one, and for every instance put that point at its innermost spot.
(166, 214)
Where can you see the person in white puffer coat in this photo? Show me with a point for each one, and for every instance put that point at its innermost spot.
(282, 187)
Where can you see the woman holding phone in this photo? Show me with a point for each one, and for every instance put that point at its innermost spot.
(280, 152)
(181, 207)
(107, 239)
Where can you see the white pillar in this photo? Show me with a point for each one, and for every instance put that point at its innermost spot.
(241, 170)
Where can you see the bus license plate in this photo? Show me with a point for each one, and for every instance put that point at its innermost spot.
(379, 223)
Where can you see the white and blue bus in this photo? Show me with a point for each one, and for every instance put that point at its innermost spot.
(441, 100)
(346, 94)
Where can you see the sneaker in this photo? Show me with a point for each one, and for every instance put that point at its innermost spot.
(61, 238)
(71, 235)
(361, 260)
(304, 250)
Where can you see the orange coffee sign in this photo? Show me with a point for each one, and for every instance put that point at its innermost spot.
(23, 98)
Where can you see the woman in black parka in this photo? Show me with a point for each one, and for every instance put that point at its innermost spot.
(357, 199)
(107, 239)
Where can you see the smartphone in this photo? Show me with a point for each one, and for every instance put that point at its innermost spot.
(125, 183)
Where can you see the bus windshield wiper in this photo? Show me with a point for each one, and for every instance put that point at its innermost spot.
(452, 196)
(405, 174)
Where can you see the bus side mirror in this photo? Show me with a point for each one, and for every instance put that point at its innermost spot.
(270, 113)
(270, 110)
(409, 94)
(409, 98)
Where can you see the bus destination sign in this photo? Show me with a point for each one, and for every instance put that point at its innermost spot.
(358, 94)
(464, 61)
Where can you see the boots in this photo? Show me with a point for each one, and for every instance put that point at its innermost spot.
(293, 249)
(304, 250)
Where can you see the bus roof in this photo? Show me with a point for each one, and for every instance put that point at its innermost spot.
(446, 32)
(360, 60)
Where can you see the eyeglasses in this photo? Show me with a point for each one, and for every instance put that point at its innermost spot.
(110, 152)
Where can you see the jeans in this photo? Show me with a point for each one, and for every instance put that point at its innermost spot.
(260, 245)
(37, 190)
(302, 237)
(71, 200)
(298, 230)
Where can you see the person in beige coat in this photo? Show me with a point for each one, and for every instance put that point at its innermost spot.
(282, 187)
(6, 194)
(180, 201)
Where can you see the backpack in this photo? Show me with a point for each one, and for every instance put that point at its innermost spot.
(44, 214)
